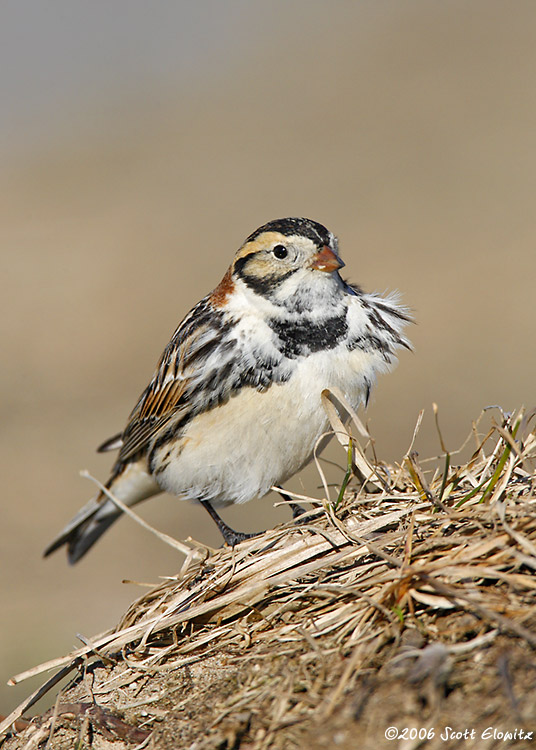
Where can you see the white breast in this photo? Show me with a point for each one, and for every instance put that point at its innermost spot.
(256, 439)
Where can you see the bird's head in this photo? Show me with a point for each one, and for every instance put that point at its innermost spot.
(290, 262)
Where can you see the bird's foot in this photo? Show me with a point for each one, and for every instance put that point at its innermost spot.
(230, 536)
(233, 537)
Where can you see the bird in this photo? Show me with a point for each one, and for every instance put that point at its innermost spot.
(234, 405)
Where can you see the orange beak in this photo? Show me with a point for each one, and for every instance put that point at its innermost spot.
(326, 260)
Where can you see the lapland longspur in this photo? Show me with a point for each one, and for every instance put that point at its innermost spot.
(234, 406)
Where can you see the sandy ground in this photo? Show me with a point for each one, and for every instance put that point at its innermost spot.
(410, 135)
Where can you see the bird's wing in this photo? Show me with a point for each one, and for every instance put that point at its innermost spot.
(112, 444)
(177, 386)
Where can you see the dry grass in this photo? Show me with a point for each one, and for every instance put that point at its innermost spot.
(407, 576)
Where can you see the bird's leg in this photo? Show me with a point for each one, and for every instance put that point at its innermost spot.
(230, 536)
(296, 509)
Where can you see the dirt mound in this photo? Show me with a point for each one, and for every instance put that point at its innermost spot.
(404, 610)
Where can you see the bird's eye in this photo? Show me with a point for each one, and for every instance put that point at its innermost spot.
(280, 252)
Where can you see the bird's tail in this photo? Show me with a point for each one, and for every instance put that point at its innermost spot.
(131, 484)
(85, 528)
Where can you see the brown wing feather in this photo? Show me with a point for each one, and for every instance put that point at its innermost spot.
(157, 405)
(163, 399)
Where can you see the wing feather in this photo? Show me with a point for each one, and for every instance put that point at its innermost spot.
(112, 444)
(175, 385)
(159, 403)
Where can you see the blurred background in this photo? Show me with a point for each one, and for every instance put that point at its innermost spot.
(141, 143)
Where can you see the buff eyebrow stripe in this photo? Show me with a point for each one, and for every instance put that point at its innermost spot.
(296, 226)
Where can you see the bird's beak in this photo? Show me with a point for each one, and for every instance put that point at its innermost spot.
(326, 260)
